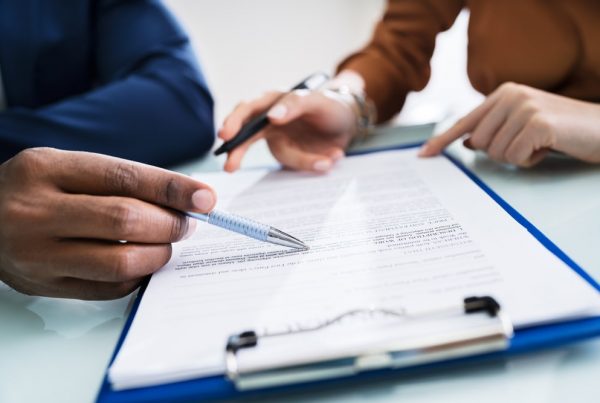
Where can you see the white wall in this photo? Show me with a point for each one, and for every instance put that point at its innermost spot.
(250, 46)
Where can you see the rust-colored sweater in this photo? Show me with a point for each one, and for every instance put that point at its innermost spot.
(553, 45)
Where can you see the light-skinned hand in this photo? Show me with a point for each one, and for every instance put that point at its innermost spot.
(64, 217)
(519, 125)
(308, 131)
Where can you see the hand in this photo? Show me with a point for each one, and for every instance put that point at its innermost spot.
(64, 216)
(309, 130)
(520, 125)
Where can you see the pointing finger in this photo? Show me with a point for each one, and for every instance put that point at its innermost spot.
(465, 125)
(95, 174)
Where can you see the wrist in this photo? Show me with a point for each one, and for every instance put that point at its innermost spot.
(350, 79)
(363, 110)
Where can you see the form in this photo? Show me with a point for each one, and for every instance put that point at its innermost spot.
(385, 230)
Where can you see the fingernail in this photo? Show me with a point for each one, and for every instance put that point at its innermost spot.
(424, 151)
(322, 165)
(192, 224)
(203, 199)
(337, 155)
(277, 112)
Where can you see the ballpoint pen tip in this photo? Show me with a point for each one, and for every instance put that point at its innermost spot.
(279, 237)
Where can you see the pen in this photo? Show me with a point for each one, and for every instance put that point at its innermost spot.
(261, 121)
(248, 227)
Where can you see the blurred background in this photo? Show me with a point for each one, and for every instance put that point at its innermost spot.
(248, 47)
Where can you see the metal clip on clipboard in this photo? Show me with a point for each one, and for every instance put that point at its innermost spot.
(491, 331)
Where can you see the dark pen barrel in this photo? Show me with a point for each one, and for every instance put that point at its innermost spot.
(261, 121)
(249, 130)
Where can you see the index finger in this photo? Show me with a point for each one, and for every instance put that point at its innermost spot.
(468, 123)
(96, 174)
(245, 111)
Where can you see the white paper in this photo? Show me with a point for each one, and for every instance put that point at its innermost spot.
(385, 230)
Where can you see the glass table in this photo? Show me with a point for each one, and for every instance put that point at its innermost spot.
(54, 350)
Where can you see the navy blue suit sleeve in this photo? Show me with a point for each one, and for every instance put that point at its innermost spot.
(150, 103)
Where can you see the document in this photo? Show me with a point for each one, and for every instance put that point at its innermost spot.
(385, 230)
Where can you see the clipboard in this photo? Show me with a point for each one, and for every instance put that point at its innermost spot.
(505, 343)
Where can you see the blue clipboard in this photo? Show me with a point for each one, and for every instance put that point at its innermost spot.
(525, 340)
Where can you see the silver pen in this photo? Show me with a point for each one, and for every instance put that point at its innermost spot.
(248, 227)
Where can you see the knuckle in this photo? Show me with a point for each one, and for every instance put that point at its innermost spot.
(124, 219)
(8, 210)
(530, 106)
(510, 87)
(179, 226)
(17, 213)
(522, 94)
(123, 177)
(38, 153)
(30, 161)
(515, 92)
(170, 193)
(539, 123)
